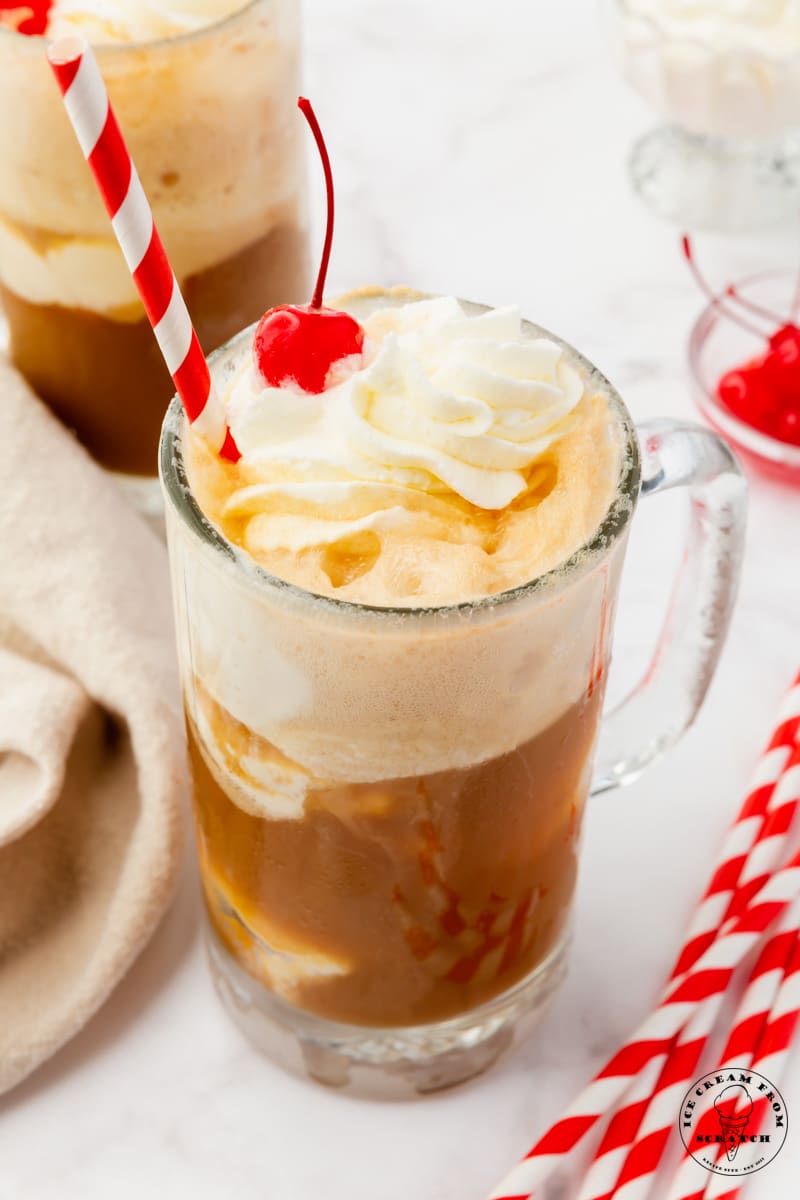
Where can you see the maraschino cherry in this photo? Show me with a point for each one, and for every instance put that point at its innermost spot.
(30, 18)
(300, 343)
(765, 391)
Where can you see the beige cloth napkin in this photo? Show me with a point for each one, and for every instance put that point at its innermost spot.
(91, 742)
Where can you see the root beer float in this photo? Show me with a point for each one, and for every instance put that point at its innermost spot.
(204, 91)
(396, 530)
(391, 728)
(402, 846)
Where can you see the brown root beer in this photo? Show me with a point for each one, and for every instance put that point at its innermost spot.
(404, 901)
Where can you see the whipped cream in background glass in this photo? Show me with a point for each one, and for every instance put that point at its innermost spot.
(727, 74)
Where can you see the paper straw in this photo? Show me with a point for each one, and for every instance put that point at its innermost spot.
(637, 1134)
(764, 1026)
(760, 820)
(735, 865)
(653, 1040)
(643, 1158)
(640, 1129)
(711, 974)
(718, 898)
(89, 109)
(631, 1149)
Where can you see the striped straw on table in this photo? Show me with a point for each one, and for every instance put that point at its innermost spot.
(631, 1149)
(712, 965)
(641, 1156)
(762, 1033)
(89, 109)
(717, 901)
(711, 974)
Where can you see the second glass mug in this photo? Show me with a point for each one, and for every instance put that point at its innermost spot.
(211, 122)
(388, 801)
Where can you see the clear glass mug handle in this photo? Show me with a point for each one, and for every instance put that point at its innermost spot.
(665, 702)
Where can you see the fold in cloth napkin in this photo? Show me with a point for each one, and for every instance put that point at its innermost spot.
(92, 767)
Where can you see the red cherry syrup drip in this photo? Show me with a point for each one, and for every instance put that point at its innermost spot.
(764, 392)
(30, 18)
(300, 343)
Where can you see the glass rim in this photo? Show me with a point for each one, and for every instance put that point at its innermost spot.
(178, 494)
(100, 49)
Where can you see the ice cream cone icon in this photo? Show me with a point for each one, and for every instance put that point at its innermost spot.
(734, 1109)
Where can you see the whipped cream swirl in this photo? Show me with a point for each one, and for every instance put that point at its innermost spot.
(443, 411)
(136, 20)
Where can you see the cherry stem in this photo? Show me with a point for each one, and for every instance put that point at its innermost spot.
(715, 300)
(309, 114)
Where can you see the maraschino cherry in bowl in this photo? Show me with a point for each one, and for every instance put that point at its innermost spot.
(744, 362)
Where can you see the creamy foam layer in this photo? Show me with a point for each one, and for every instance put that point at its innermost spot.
(458, 458)
(363, 697)
(224, 97)
(136, 20)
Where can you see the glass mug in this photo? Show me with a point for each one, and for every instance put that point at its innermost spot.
(388, 801)
(211, 122)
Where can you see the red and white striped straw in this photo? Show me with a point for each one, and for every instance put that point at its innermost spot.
(89, 109)
(639, 1130)
(694, 992)
(642, 1158)
(717, 902)
(711, 974)
(763, 1028)
(631, 1149)
(772, 1053)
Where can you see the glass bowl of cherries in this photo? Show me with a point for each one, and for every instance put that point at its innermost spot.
(744, 360)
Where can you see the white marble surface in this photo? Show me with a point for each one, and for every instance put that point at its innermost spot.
(479, 149)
